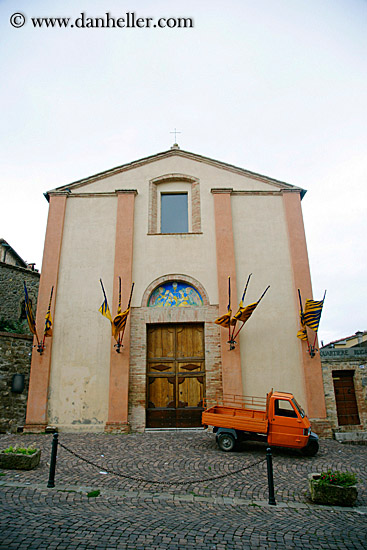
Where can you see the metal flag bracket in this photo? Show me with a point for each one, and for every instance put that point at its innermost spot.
(232, 344)
(40, 347)
(118, 346)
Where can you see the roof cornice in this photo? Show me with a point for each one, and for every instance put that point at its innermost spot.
(181, 153)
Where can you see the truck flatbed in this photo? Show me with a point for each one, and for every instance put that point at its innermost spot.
(247, 420)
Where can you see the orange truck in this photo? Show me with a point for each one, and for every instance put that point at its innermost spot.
(277, 419)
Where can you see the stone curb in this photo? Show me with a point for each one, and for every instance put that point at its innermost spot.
(185, 497)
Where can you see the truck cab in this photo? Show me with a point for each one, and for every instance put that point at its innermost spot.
(288, 425)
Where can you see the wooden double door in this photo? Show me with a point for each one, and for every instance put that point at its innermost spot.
(345, 398)
(175, 375)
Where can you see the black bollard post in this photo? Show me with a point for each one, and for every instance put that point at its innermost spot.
(51, 478)
(269, 463)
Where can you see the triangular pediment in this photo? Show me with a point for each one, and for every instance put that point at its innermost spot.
(81, 185)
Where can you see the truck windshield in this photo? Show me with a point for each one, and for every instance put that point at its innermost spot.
(299, 408)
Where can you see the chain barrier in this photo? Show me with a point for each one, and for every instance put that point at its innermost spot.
(141, 480)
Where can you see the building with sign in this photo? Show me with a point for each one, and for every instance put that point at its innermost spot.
(344, 369)
(177, 224)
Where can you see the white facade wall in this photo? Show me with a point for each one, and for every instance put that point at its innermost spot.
(78, 394)
(270, 351)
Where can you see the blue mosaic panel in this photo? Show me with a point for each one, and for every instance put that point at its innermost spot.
(175, 294)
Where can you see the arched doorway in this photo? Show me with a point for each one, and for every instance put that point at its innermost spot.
(175, 360)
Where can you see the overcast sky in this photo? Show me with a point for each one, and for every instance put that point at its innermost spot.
(274, 86)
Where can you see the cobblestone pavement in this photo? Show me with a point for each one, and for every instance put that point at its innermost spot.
(148, 505)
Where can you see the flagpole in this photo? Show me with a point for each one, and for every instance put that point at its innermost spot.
(128, 307)
(119, 312)
(263, 294)
(104, 294)
(131, 294)
(245, 290)
(229, 308)
(121, 334)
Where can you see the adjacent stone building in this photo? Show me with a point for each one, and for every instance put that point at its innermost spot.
(15, 364)
(177, 224)
(15, 338)
(344, 370)
(14, 271)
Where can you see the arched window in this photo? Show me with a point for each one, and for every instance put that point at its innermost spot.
(175, 294)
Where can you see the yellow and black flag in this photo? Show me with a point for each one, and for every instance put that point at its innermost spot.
(119, 323)
(302, 334)
(312, 313)
(310, 317)
(225, 320)
(244, 313)
(28, 310)
(48, 318)
(104, 309)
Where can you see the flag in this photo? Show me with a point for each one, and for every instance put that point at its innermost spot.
(119, 323)
(28, 310)
(312, 314)
(244, 313)
(225, 320)
(48, 318)
(104, 309)
(48, 324)
(302, 334)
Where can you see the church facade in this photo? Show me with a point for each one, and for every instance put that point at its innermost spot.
(177, 224)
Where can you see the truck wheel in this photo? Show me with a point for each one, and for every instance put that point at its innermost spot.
(226, 442)
(311, 448)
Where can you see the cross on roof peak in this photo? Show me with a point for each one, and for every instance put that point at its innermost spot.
(175, 132)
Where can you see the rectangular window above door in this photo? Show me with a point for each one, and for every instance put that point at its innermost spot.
(174, 213)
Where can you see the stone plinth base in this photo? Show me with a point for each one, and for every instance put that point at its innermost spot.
(117, 427)
(34, 428)
(351, 437)
(321, 427)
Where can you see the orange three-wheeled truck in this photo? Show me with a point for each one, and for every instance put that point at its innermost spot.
(277, 419)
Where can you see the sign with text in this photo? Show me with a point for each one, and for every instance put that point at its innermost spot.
(347, 353)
